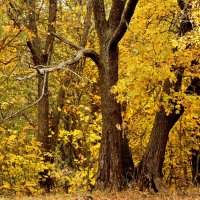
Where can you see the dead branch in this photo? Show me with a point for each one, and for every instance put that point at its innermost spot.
(15, 114)
(86, 52)
(26, 77)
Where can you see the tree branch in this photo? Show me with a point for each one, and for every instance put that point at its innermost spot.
(43, 69)
(77, 47)
(194, 87)
(26, 77)
(125, 20)
(51, 27)
(5, 44)
(35, 44)
(181, 4)
(87, 52)
(99, 17)
(116, 13)
(87, 24)
(13, 115)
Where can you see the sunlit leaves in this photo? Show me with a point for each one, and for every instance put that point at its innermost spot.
(20, 161)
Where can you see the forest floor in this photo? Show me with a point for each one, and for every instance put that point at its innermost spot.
(191, 194)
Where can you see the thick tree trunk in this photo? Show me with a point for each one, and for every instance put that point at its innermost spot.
(153, 158)
(110, 31)
(154, 155)
(110, 174)
(152, 162)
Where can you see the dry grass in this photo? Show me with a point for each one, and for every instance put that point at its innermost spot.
(191, 194)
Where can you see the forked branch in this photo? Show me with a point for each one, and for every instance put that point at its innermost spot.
(83, 51)
(125, 20)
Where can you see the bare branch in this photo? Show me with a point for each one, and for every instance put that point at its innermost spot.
(68, 42)
(125, 20)
(26, 77)
(29, 121)
(42, 69)
(4, 45)
(87, 52)
(15, 114)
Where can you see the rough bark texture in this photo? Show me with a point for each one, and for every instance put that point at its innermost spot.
(152, 162)
(111, 174)
(153, 158)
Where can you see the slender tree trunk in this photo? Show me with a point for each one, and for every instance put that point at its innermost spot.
(43, 58)
(128, 164)
(56, 114)
(43, 112)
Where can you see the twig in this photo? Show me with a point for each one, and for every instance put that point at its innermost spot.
(26, 77)
(28, 106)
(43, 69)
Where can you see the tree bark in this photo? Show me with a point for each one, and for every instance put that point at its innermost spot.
(153, 158)
(196, 154)
(111, 174)
(39, 58)
(43, 59)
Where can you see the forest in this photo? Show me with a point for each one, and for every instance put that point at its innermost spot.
(99, 95)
